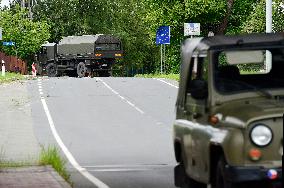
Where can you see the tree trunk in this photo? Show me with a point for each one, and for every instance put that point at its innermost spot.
(224, 25)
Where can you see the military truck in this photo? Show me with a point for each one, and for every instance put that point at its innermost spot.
(228, 130)
(82, 55)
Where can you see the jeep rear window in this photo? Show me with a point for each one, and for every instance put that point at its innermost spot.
(244, 71)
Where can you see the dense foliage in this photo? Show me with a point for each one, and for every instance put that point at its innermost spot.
(256, 20)
(136, 22)
(28, 35)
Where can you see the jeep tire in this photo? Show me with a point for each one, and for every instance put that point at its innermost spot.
(221, 177)
(183, 181)
(51, 70)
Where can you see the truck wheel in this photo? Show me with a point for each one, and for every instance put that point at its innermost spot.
(183, 181)
(81, 69)
(221, 177)
(51, 70)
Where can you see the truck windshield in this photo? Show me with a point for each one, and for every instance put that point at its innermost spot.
(246, 71)
(43, 50)
(113, 46)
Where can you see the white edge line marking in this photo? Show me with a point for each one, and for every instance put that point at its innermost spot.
(122, 98)
(69, 156)
(127, 166)
(166, 82)
(120, 170)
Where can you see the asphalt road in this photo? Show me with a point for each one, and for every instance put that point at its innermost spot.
(118, 129)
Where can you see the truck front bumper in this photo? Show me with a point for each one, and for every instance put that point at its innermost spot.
(245, 174)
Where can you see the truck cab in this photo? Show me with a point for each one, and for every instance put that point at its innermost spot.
(229, 123)
(46, 55)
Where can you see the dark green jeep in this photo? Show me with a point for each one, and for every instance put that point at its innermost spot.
(229, 124)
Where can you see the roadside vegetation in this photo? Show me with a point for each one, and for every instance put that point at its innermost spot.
(51, 156)
(135, 23)
(10, 77)
(166, 76)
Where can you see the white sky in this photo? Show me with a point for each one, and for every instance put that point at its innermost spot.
(4, 2)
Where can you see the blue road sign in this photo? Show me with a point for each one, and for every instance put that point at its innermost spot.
(8, 43)
(163, 35)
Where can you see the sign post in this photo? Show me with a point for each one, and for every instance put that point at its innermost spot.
(268, 64)
(163, 37)
(3, 68)
(1, 30)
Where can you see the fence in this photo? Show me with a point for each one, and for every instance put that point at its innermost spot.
(13, 64)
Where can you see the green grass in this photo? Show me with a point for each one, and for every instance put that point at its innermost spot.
(11, 164)
(167, 76)
(51, 156)
(10, 77)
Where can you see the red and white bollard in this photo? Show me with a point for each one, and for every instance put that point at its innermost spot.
(3, 68)
(34, 70)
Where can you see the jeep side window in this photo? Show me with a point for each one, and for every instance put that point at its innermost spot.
(198, 70)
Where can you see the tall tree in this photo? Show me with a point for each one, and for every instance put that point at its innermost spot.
(61, 15)
(27, 34)
(256, 20)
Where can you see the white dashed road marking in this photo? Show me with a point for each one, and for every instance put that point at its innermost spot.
(122, 98)
(161, 80)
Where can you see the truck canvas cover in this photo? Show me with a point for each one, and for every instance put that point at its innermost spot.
(77, 45)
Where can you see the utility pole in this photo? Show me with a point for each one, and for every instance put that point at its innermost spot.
(30, 9)
(268, 30)
(23, 3)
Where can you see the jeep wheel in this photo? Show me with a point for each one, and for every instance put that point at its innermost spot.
(51, 70)
(221, 177)
(81, 70)
(183, 181)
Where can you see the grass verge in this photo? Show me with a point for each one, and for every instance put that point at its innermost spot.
(10, 77)
(167, 76)
(10, 164)
(51, 156)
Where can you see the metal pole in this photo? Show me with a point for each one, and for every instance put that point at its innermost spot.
(161, 59)
(165, 58)
(268, 30)
(30, 9)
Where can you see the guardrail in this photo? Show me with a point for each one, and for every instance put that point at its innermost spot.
(13, 64)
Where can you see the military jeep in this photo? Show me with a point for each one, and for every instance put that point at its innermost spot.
(228, 130)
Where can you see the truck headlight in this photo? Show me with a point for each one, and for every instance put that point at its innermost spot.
(261, 135)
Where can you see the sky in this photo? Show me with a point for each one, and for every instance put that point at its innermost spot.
(4, 2)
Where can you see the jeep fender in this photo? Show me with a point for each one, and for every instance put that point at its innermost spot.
(196, 141)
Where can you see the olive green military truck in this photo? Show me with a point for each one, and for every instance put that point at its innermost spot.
(229, 123)
(80, 56)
